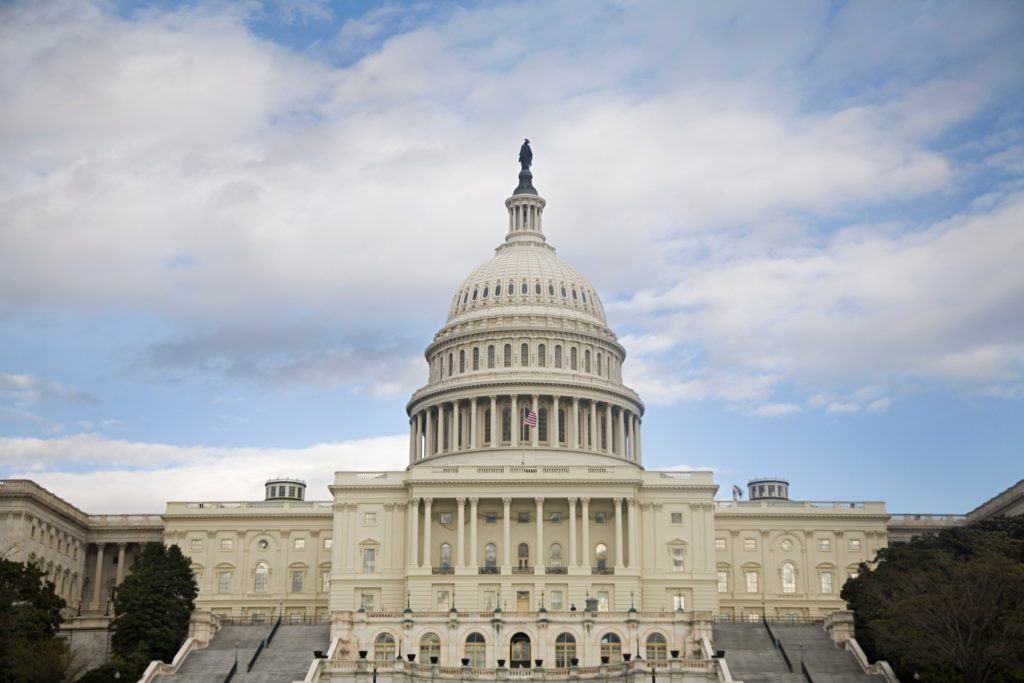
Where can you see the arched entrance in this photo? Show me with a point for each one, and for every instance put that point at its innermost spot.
(519, 651)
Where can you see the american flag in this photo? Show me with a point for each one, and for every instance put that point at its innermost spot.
(530, 418)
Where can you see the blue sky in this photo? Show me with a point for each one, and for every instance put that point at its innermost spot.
(228, 231)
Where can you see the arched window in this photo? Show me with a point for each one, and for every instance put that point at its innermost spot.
(572, 358)
(430, 646)
(490, 357)
(462, 361)
(551, 289)
(451, 364)
(788, 577)
(487, 426)
(601, 555)
(599, 363)
(561, 426)
(523, 556)
(542, 424)
(508, 355)
(558, 356)
(497, 289)
(506, 424)
(490, 555)
(384, 648)
(586, 361)
(556, 555)
(262, 577)
(542, 356)
(519, 651)
(536, 288)
(525, 289)
(657, 647)
(445, 556)
(524, 355)
(611, 647)
(487, 290)
(476, 650)
(565, 650)
(476, 357)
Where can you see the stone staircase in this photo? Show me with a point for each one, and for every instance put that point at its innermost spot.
(289, 654)
(753, 659)
(212, 664)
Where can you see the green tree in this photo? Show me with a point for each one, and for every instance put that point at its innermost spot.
(949, 607)
(153, 605)
(30, 651)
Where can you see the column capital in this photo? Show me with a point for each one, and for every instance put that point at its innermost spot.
(506, 501)
(631, 502)
(474, 501)
(535, 396)
(572, 501)
(617, 501)
(584, 501)
(539, 500)
(414, 500)
(428, 501)
(461, 501)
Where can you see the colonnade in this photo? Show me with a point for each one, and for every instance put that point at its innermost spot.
(97, 577)
(498, 421)
(621, 555)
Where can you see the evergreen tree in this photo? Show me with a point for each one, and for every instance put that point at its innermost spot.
(30, 651)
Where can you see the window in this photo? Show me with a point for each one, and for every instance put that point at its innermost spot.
(565, 650)
(542, 356)
(443, 600)
(611, 647)
(854, 544)
(750, 544)
(677, 559)
(476, 356)
(366, 601)
(600, 518)
(490, 357)
(325, 580)
(599, 363)
(451, 364)
(490, 518)
(556, 518)
(524, 355)
(751, 581)
(826, 582)
(328, 543)
(601, 554)
(497, 289)
(487, 426)
(445, 556)
(557, 603)
(508, 355)
(542, 424)
(586, 361)
(788, 578)
(723, 581)
(657, 647)
(677, 517)
(490, 600)
(678, 602)
(384, 648)
(297, 578)
(556, 555)
(226, 544)
(369, 560)
(719, 544)
(300, 544)
(262, 577)
(369, 518)
(490, 555)
(476, 650)
(524, 289)
(506, 424)
(572, 358)
(462, 360)
(430, 646)
(558, 356)
(223, 581)
(523, 555)
(824, 544)
(445, 518)
(196, 544)
(263, 544)
(523, 517)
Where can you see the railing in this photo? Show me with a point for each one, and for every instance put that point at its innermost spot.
(255, 655)
(602, 571)
(231, 672)
(777, 644)
(176, 507)
(556, 570)
(442, 570)
(489, 570)
(522, 570)
(273, 629)
(863, 506)
(911, 519)
(806, 673)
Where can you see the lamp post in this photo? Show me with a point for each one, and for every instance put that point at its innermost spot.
(654, 678)
(237, 643)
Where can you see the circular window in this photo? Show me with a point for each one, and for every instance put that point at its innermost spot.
(263, 544)
(787, 544)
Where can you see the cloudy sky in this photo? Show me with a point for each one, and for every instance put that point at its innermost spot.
(228, 231)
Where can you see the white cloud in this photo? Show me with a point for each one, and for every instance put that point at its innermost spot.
(774, 409)
(30, 390)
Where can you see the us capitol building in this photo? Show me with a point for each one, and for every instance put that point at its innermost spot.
(524, 528)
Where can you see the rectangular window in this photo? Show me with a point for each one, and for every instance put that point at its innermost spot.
(297, 577)
(366, 601)
(556, 517)
(600, 518)
(678, 602)
(523, 517)
(854, 544)
(602, 601)
(444, 518)
(300, 544)
(325, 581)
(369, 559)
(443, 601)
(556, 601)
(719, 544)
(824, 544)
(196, 544)
(677, 517)
(826, 582)
(369, 518)
(751, 582)
(223, 582)
(328, 543)
(677, 559)
(226, 544)
(490, 518)
(750, 544)
(723, 582)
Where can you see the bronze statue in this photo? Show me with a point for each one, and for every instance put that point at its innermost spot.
(525, 155)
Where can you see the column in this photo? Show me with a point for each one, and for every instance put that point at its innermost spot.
(120, 562)
(631, 439)
(620, 439)
(495, 437)
(428, 437)
(541, 555)
(608, 434)
(639, 424)
(460, 533)
(618, 533)
(98, 578)
(453, 440)
(572, 532)
(472, 532)
(439, 429)
(428, 555)
(634, 530)
(472, 423)
(506, 558)
(555, 425)
(575, 436)
(535, 431)
(516, 421)
(418, 443)
(412, 439)
(585, 504)
(414, 532)
(594, 443)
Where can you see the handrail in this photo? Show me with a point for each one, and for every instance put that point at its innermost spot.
(231, 673)
(807, 675)
(777, 643)
(259, 649)
(273, 629)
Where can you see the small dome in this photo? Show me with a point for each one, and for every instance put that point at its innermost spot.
(526, 278)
